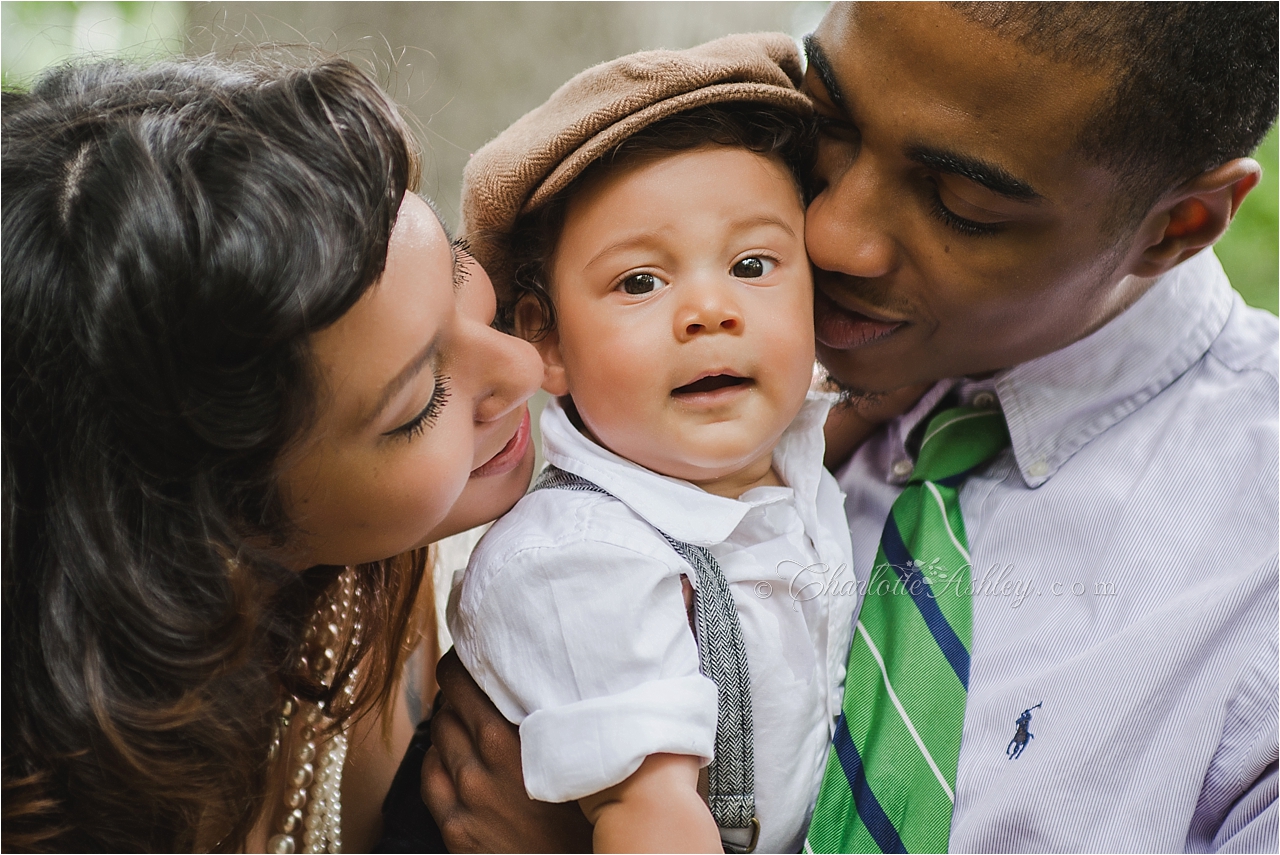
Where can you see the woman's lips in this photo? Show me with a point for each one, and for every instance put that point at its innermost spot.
(511, 454)
(842, 329)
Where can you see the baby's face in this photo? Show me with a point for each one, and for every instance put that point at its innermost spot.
(685, 311)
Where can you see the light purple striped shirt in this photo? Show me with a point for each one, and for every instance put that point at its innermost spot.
(1125, 565)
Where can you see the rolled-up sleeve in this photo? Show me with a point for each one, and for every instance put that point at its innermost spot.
(578, 749)
(586, 646)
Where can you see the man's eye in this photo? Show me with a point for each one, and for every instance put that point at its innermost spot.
(642, 283)
(837, 129)
(957, 223)
(753, 267)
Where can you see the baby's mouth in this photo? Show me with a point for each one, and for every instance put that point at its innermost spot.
(711, 383)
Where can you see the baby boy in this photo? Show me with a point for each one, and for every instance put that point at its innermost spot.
(648, 608)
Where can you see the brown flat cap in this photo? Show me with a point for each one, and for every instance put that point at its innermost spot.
(548, 147)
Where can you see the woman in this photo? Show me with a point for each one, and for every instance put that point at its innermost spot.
(239, 356)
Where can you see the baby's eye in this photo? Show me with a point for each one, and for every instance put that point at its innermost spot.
(642, 283)
(753, 267)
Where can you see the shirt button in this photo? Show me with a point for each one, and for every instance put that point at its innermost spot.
(902, 468)
(984, 400)
(1038, 469)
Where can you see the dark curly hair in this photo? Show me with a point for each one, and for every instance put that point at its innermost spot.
(532, 242)
(173, 235)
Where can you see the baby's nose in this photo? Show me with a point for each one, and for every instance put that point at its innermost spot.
(708, 310)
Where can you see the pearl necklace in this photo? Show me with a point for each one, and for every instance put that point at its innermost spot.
(314, 795)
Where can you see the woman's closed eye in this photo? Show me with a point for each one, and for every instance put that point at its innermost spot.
(753, 267)
(638, 284)
(417, 425)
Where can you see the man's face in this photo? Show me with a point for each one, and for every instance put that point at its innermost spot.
(957, 230)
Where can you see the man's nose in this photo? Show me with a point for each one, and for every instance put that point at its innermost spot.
(847, 225)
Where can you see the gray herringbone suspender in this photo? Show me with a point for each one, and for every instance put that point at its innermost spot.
(723, 657)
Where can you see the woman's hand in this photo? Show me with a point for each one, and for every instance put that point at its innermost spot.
(473, 782)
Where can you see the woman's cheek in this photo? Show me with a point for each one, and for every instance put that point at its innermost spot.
(485, 499)
(418, 488)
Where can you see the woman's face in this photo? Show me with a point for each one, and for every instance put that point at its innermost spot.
(421, 429)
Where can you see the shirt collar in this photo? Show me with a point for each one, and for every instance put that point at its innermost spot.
(676, 507)
(1057, 403)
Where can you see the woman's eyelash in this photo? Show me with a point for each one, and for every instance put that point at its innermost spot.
(427, 418)
(969, 228)
(461, 254)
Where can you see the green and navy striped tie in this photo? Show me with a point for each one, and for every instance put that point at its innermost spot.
(890, 780)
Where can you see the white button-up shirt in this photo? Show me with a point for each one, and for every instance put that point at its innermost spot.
(1124, 559)
(571, 618)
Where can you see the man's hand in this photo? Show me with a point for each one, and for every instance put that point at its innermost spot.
(473, 782)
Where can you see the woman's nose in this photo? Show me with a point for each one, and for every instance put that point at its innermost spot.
(708, 307)
(847, 225)
(510, 372)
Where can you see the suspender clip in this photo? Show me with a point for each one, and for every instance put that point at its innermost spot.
(736, 849)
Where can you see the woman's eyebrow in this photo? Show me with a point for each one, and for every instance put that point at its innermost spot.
(821, 66)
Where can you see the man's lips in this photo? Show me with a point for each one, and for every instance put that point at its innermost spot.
(511, 454)
(842, 329)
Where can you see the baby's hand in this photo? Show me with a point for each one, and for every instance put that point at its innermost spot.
(657, 809)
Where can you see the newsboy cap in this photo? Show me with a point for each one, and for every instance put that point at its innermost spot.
(539, 155)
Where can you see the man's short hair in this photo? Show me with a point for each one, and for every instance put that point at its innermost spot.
(1195, 82)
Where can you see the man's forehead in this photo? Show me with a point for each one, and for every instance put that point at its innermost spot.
(938, 81)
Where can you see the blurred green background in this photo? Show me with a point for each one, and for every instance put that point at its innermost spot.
(449, 57)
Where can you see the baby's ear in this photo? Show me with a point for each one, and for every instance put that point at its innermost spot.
(532, 325)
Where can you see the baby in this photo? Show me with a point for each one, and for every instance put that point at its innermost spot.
(653, 604)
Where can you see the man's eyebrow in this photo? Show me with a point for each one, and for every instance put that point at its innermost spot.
(821, 66)
(402, 378)
(995, 178)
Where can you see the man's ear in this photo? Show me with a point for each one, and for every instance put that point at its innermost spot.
(532, 325)
(1194, 215)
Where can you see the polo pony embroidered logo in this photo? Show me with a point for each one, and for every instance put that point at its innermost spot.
(1022, 735)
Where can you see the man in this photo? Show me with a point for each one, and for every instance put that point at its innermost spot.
(1014, 205)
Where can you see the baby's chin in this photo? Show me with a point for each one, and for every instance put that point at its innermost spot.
(733, 451)
(719, 470)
